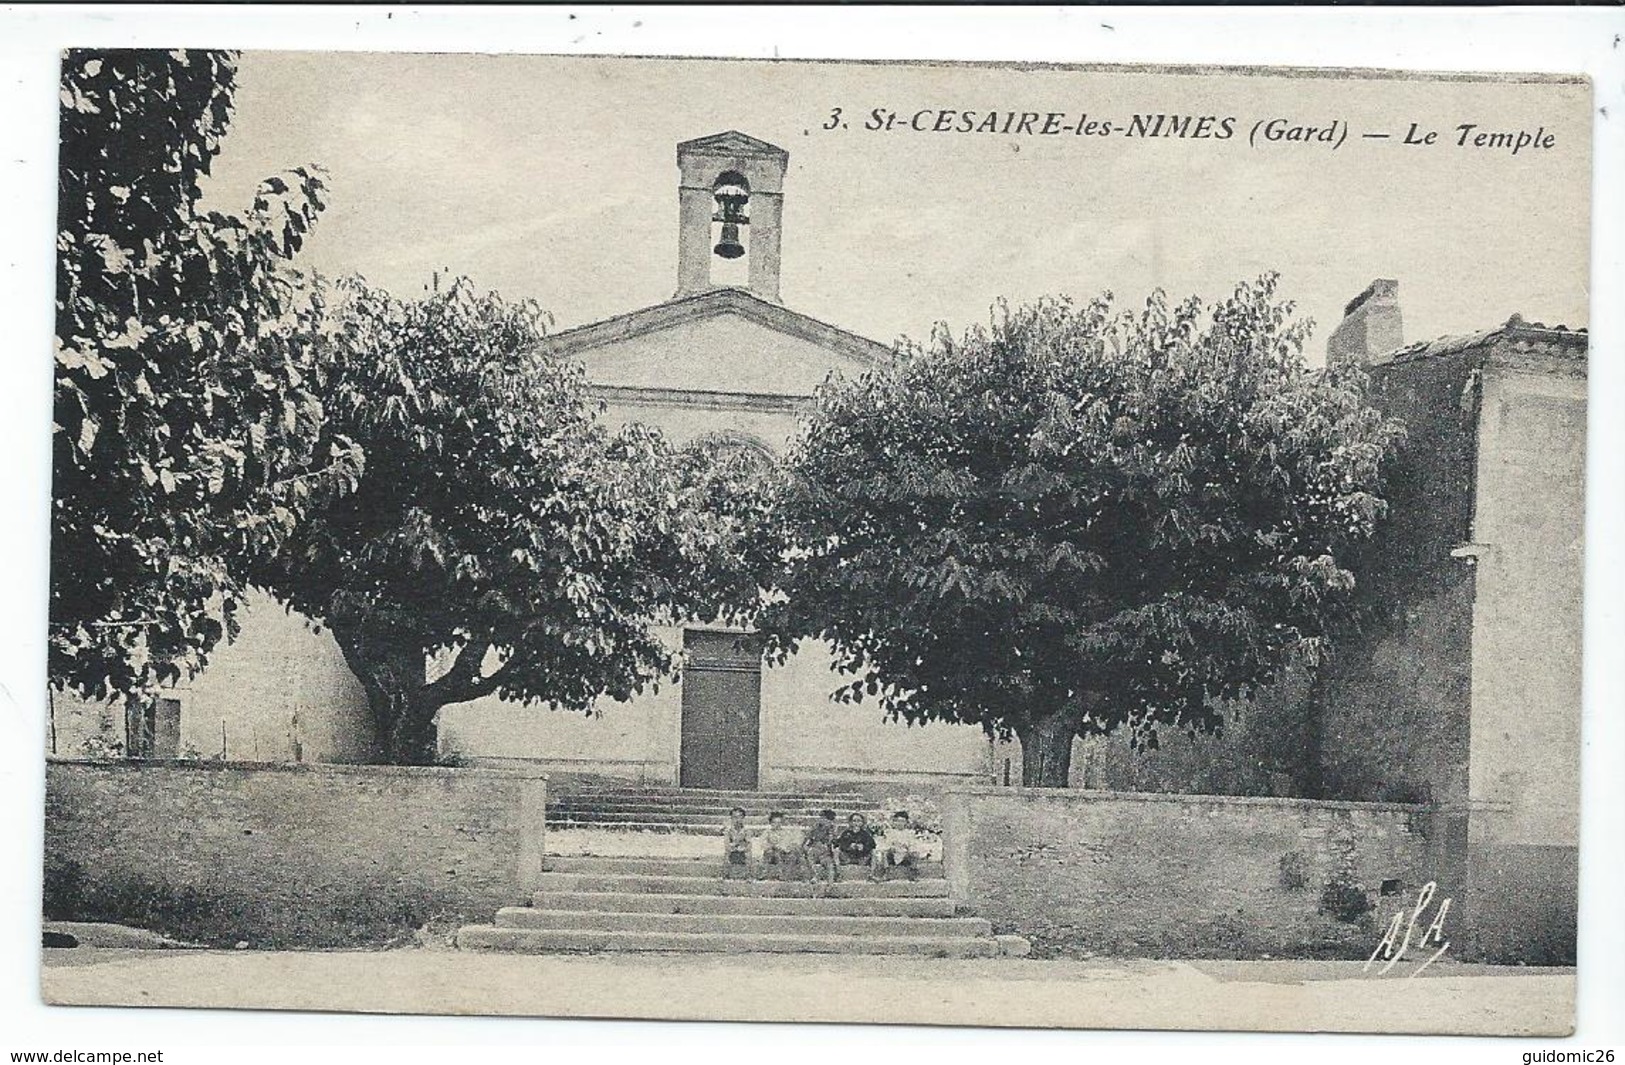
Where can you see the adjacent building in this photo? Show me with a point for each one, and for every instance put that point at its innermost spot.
(1465, 692)
(1460, 685)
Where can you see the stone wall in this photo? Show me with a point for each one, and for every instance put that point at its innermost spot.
(285, 855)
(1154, 875)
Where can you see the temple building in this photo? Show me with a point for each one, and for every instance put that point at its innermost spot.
(727, 361)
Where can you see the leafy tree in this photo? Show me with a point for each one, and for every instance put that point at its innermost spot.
(186, 411)
(1075, 520)
(500, 528)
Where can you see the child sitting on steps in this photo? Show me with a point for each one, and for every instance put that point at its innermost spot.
(735, 846)
(819, 851)
(899, 853)
(856, 845)
(781, 847)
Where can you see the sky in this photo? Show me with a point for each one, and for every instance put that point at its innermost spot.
(554, 178)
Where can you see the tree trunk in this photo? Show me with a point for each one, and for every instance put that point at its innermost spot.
(393, 677)
(412, 737)
(1309, 770)
(1046, 748)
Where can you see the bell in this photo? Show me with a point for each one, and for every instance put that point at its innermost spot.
(729, 247)
(731, 200)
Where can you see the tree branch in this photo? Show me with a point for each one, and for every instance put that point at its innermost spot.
(331, 469)
(485, 685)
(463, 681)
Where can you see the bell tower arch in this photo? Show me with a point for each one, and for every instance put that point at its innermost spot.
(738, 181)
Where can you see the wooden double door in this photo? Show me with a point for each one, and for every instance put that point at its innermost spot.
(722, 710)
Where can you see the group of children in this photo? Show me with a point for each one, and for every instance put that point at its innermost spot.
(786, 852)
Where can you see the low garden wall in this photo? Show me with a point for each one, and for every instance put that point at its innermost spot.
(1160, 875)
(288, 855)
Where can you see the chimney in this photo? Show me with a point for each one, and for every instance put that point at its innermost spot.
(1370, 331)
(737, 182)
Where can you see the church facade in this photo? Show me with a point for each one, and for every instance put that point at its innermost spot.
(730, 363)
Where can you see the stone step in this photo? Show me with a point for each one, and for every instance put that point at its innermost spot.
(718, 816)
(696, 828)
(686, 821)
(697, 810)
(701, 828)
(651, 902)
(756, 801)
(706, 796)
(691, 867)
(621, 883)
(677, 817)
(538, 941)
(776, 924)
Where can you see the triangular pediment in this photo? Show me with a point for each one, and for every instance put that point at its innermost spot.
(732, 142)
(722, 341)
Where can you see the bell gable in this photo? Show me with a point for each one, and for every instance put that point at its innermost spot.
(726, 341)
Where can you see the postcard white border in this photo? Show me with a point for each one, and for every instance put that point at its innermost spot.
(1548, 40)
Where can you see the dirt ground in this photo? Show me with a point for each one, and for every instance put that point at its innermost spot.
(1101, 993)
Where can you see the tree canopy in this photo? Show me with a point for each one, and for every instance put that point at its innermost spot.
(500, 526)
(1077, 519)
(186, 409)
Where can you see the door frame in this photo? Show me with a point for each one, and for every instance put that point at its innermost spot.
(680, 641)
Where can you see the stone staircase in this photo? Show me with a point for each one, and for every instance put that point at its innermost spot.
(656, 809)
(652, 904)
(685, 904)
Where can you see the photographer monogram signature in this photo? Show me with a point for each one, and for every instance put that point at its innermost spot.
(1393, 947)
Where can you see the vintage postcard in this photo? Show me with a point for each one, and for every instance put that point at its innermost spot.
(818, 541)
